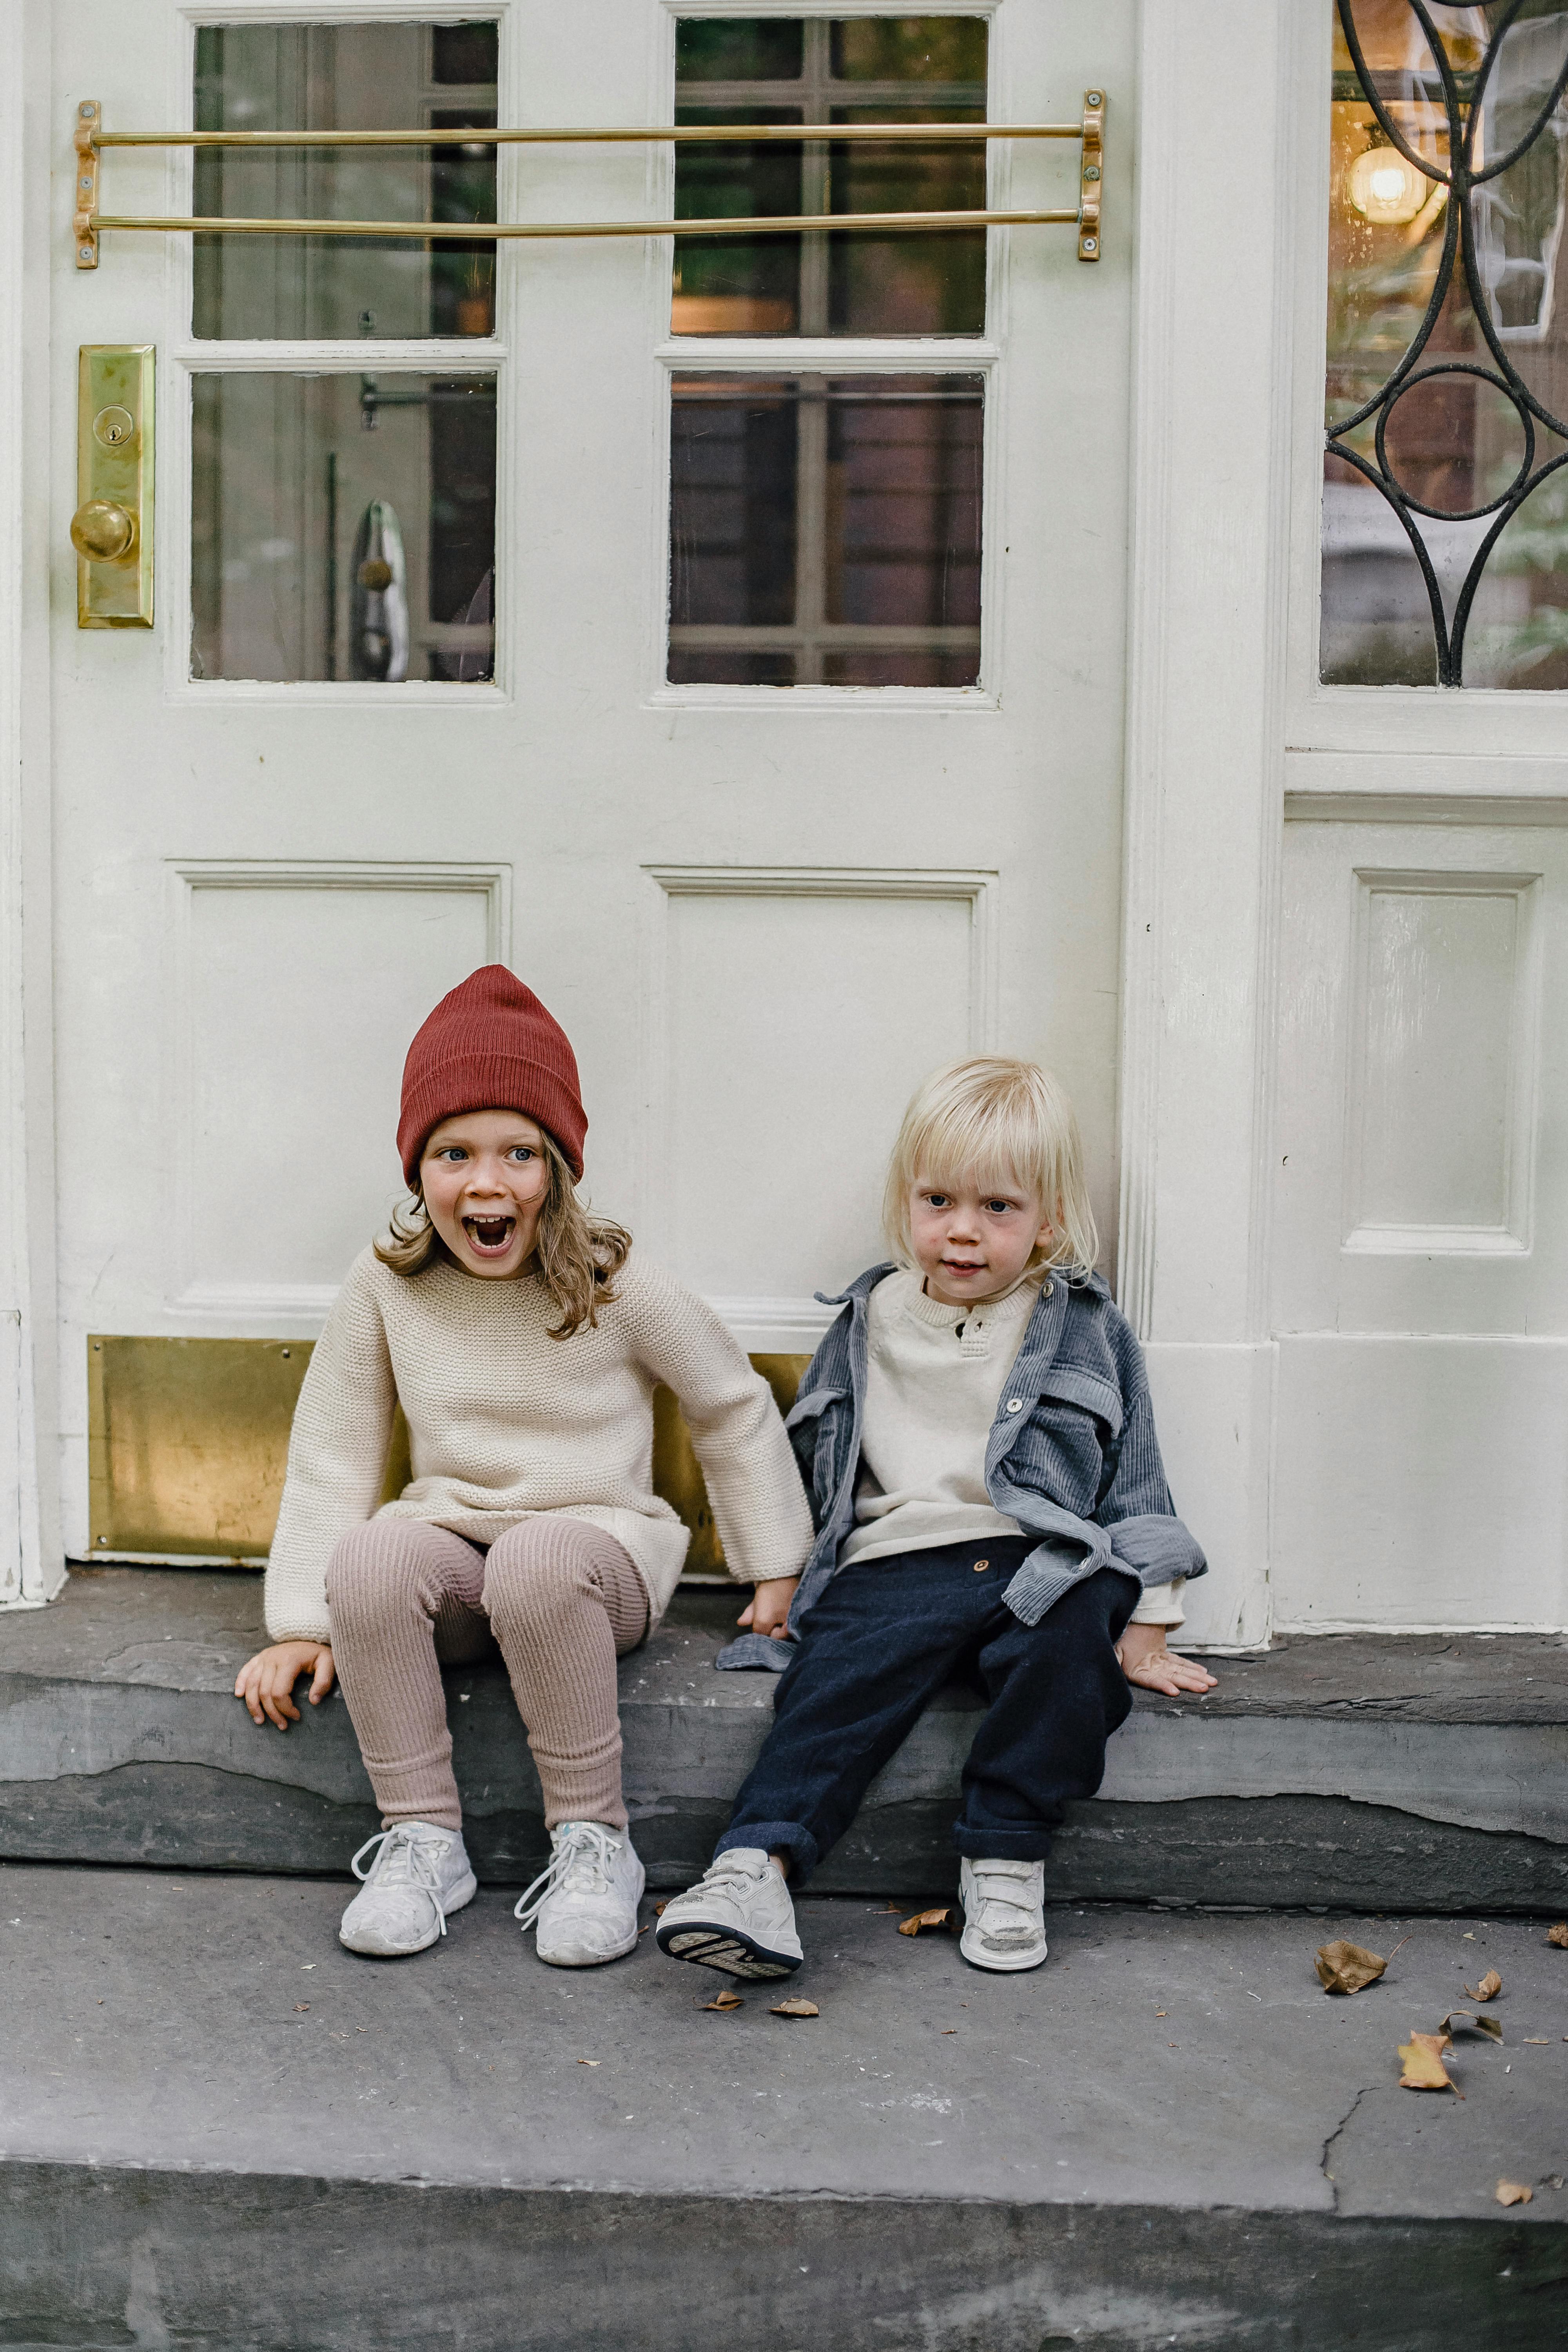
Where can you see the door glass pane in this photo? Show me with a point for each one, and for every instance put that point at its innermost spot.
(1431, 403)
(862, 70)
(342, 527)
(826, 529)
(345, 77)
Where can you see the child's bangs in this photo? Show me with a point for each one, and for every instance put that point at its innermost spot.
(963, 1143)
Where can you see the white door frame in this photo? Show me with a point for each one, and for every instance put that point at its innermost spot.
(1210, 462)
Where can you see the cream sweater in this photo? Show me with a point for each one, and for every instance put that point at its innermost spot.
(934, 1376)
(506, 1422)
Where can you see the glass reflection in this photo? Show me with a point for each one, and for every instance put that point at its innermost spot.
(874, 69)
(342, 527)
(390, 76)
(1399, 263)
(826, 529)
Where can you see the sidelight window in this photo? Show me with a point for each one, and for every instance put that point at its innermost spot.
(1445, 529)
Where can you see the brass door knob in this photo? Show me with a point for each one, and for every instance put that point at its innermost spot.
(102, 531)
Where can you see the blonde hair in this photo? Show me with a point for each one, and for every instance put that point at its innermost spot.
(576, 1255)
(1000, 1121)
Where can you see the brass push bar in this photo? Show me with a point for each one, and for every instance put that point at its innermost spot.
(90, 138)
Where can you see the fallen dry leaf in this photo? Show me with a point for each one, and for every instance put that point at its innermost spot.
(725, 2000)
(1488, 1988)
(301, 2007)
(945, 1915)
(1559, 1935)
(1348, 1967)
(658, 1908)
(590, 2062)
(1538, 2041)
(1513, 2192)
(1424, 2068)
(949, 2029)
(1158, 2012)
(1458, 2022)
(796, 2008)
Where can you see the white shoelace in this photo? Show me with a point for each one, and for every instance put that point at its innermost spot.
(584, 1852)
(404, 1857)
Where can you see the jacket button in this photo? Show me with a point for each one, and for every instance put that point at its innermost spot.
(1014, 1404)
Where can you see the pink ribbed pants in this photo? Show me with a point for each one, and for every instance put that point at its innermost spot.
(561, 1597)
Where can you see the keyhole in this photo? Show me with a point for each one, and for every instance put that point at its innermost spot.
(112, 426)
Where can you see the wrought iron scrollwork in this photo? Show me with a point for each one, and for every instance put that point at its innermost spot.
(1468, 265)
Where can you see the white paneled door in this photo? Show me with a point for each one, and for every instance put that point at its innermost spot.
(726, 634)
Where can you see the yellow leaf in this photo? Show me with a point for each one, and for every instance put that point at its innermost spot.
(1456, 2021)
(1513, 2192)
(1559, 1935)
(795, 2008)
(1348, 1967)
(725, 2001)
(945, 1915)
(590, 2062)
(1488, 1988)
(1424, 2068)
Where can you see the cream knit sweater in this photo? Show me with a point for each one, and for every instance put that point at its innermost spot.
(506, 1422)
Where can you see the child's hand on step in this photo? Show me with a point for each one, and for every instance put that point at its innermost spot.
(1145, 1660)
(768, 1611)
(266, 1682)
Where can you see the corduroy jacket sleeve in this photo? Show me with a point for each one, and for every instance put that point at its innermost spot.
(1136, 1510)
(337, 1458)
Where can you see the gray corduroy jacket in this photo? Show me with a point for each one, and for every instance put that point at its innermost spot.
(1073, 1454)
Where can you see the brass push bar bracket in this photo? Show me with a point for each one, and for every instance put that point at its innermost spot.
(90, 137)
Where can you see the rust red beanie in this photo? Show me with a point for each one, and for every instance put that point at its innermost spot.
(490, 1045)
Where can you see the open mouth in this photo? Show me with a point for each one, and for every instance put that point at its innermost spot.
(963, 1266)
(489, 1236)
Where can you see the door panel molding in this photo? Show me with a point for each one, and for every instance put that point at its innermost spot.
(231, 1303)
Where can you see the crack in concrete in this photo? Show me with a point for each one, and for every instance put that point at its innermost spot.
(1343, 2125)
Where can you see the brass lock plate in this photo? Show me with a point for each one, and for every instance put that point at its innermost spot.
(114, 481)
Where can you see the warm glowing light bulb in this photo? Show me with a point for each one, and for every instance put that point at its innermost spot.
(1385, 188)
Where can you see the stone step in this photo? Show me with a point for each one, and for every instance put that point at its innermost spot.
(218, 2129)
(1425, 1772)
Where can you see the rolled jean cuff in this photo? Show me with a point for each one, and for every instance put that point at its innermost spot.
(774, 1837)
(1002, 1846)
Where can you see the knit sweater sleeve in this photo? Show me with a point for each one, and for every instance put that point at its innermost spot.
(337, 1458)
(759, 1504)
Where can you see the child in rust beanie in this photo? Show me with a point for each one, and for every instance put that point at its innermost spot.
(523, 1339)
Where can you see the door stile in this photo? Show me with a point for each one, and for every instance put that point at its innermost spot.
(32, 1569)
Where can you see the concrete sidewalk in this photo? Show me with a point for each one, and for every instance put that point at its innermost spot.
(219, 2129)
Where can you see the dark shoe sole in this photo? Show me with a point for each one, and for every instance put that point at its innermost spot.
(723, 1948)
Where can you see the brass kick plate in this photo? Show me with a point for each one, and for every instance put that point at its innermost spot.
(188, 1440)
(111, 529)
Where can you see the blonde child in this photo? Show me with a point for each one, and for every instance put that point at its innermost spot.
(976, 1433)
(523, 1340)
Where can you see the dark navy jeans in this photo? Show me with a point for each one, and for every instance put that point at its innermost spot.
(877, 1646)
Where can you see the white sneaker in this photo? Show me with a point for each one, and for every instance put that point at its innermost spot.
(1004, 1913)
(584, 1901)
(420, 1873)
(737, 1917)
